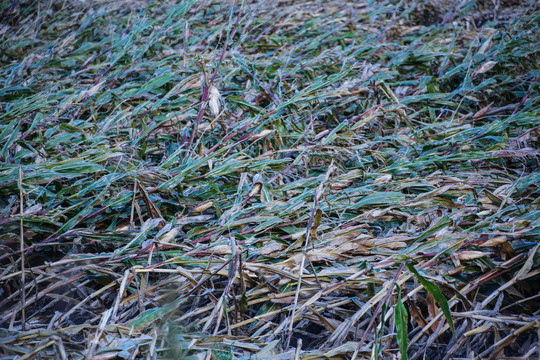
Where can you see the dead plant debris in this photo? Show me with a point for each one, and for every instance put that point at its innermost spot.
(269, 179)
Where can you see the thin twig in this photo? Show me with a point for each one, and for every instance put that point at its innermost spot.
(206, 84)
(23, 278)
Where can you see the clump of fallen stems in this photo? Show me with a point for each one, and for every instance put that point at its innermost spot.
(306, 180)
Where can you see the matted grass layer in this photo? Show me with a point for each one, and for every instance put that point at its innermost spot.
(272, 180)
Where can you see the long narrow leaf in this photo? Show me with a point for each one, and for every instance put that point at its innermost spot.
(436, 292)
(401, 318)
